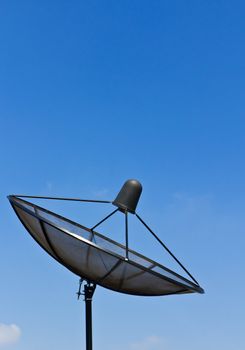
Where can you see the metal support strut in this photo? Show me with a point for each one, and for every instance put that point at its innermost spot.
(126, 233)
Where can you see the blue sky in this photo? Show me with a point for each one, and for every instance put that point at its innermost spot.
(91, 94)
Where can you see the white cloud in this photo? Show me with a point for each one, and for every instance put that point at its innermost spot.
(49, 185)
(9, 334)
(191, 203)
(149, 343)
(102, 193)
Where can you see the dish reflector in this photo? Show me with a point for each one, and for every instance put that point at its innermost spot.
(97, 258)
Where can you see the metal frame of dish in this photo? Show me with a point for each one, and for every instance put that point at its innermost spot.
(89, 288)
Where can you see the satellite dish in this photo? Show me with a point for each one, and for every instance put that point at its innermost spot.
(97, 259)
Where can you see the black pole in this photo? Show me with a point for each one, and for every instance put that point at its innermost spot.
(89, 289)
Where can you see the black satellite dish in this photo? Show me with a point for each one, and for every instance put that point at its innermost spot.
(96, 259)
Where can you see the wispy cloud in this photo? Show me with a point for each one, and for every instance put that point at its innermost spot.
(102, 193)
(49, 185)
(9, 334)
(152, 342)
(190, 202)
(189, 209)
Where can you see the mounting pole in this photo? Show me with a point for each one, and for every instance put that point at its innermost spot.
(89, 289)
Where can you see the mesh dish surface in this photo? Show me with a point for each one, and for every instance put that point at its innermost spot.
(97, 258)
